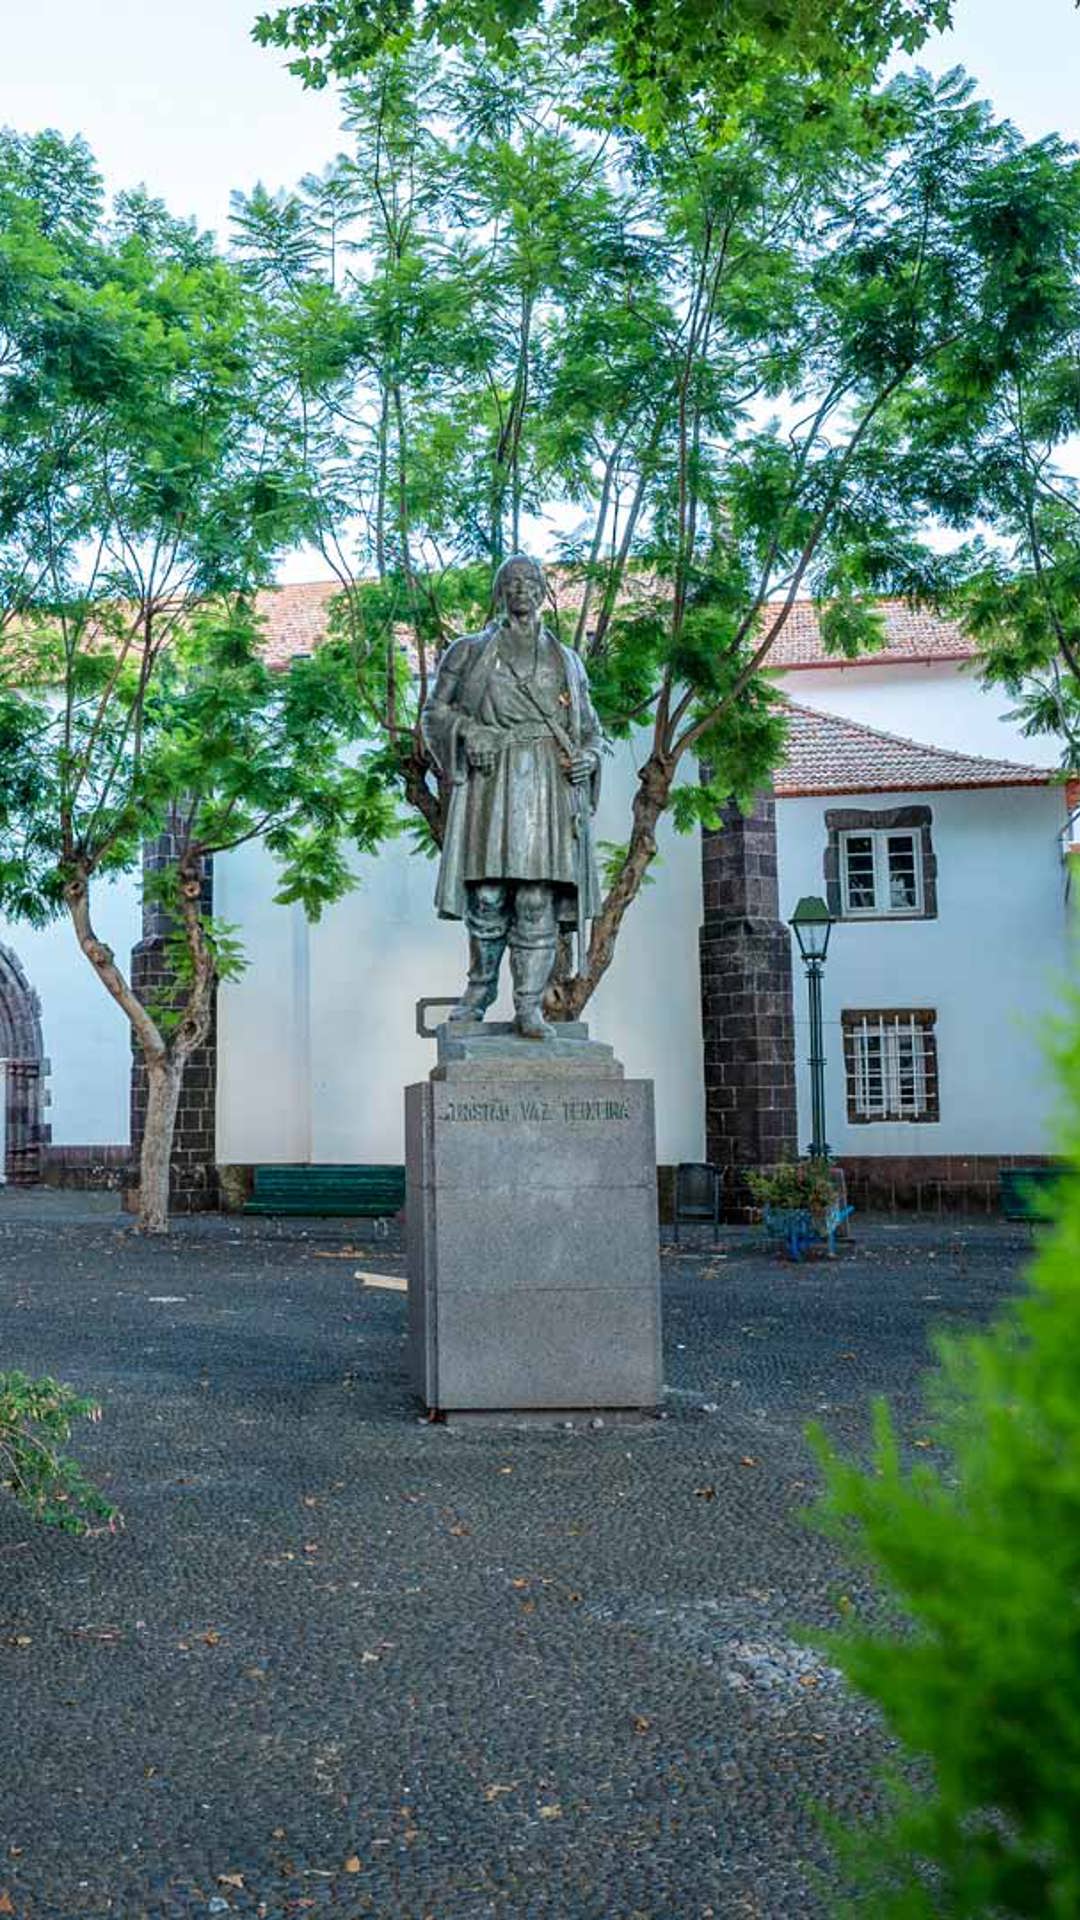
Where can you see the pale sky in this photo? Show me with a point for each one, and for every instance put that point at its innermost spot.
(174, 93)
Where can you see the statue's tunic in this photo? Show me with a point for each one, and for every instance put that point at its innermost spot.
(516, 822)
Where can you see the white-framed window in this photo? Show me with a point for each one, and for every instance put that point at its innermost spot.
(890, 1058)
(881, 871)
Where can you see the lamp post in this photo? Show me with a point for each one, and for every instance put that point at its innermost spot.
(812, 923)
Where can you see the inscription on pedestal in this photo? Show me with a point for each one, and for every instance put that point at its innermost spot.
(532, 1111)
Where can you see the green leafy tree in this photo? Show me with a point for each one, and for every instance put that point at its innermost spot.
(754, 371)
(982, 1556)
(662, 53)
(1018, 592)
(35, 1425)
(147, 482)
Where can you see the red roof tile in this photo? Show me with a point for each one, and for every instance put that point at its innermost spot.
(827, 754)
(295, 619)
(912, 637)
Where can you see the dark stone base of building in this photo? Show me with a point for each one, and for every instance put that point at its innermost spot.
(89, 1169)
(931, 1183)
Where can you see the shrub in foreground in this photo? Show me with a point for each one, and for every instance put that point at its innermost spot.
(35, 1424)
(982, 1683)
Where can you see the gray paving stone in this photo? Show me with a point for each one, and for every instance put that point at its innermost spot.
(323, 1611)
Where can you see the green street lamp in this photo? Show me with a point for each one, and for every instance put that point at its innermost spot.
(812, 923)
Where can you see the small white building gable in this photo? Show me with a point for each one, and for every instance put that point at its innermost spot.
(950, 950)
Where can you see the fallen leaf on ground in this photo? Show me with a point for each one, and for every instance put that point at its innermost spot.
(5, 1901)
(20, 1640)
(277, 1833)
(459, 1531)
(552, 1811)
(641, 1724)
(230, 1879)
(705, 1493)
(808, 1679)
(212, 1639)
(748, 1460)
(493, 1792)
(353, 1864)
(519, 1584)
(923, 1443)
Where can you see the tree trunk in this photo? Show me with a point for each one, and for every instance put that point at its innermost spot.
(164, 1079)
(567, 997)
(420, 793)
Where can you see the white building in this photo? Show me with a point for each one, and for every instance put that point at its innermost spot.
(907, 796)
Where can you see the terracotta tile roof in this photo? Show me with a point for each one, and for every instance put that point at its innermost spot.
(910, 637)
(296, 615)
(294, 618)
(827, 754)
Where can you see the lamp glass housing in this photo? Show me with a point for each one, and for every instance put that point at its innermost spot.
(812, 922)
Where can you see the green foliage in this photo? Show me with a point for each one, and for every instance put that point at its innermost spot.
(221, 939)
(663, 52)
(35, 1424)
(611, 858)
(152, 469)
(982, 1555)
(797, 1184)
(760, 361)
(148, 479)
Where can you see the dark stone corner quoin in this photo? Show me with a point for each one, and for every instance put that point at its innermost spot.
(746, 1002)
(194, 1185)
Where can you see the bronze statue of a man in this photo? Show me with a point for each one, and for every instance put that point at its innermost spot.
(511, 727)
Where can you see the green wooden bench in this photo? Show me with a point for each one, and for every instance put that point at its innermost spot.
(371, 1191)
(1025, 1191)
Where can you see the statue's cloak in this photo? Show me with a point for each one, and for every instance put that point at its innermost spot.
(484, 827)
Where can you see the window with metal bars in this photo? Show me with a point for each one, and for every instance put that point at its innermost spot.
(890, 1058)
(881, 872)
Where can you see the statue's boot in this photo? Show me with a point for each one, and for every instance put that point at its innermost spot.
(485, 959)
(531, 969)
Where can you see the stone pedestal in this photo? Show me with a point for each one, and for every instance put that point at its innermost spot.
(532, 1228)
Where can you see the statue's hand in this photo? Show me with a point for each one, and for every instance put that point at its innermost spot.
(579, 767)
(480, 750)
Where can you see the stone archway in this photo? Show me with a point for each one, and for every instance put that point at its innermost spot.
(21, 1045)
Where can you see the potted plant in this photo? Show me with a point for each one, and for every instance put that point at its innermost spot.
(801, 1201)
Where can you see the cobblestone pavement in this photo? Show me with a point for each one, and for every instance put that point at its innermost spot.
(343, 1661)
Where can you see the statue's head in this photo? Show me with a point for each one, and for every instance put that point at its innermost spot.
(519, 586)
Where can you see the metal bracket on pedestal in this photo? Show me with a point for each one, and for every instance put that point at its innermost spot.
(432, 1033)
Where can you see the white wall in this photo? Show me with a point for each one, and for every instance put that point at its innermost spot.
(941, 705)
(87, 1038)
(318, 1039)
(992, 964)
